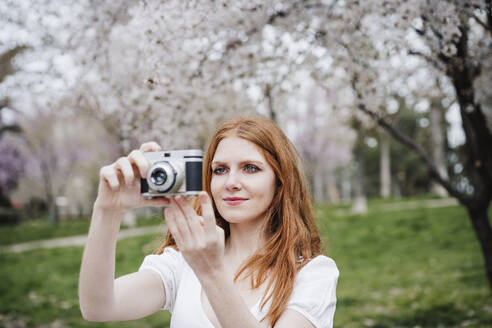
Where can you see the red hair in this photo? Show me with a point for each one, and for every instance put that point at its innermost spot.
(289, 228)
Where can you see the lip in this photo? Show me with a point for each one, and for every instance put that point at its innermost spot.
(234, 201)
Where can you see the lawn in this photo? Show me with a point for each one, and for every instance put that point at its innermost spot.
(40, 287)
(411, 268)
(43, 229)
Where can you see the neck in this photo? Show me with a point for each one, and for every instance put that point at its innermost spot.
(244, 240)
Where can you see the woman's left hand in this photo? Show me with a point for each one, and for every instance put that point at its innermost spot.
(199, 239)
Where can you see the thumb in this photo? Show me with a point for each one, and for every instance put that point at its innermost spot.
(220, 233)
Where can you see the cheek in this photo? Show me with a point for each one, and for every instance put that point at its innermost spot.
(266, 186)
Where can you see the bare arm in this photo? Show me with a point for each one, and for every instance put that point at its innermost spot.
(102, 298)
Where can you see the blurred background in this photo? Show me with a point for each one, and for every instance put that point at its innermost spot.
(389, 104)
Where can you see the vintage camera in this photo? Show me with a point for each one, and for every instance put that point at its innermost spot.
(173, 172)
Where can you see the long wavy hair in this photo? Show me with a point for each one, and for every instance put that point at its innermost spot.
(289, 228)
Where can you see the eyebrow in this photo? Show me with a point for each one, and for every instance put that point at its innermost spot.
(247, 161)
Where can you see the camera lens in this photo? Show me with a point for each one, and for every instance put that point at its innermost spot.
(159, 177)
(162, 177)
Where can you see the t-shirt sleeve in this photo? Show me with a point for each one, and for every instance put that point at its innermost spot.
(314, 293)
(168, 265)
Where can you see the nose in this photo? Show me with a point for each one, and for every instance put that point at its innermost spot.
(233, 181)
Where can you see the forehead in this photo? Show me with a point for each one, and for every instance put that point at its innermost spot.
(237, 149)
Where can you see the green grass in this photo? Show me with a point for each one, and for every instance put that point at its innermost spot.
(43, 229)
(411, 268)
(40, 287)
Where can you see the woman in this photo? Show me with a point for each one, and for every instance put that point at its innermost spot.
(249, 256)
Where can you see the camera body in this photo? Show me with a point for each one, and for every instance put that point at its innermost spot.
(173, 172)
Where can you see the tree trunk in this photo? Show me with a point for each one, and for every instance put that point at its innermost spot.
(359, 205)
(384, 164)
(332, 189)
(346, 189)
(478, 149)
(437, 141)
(319, 195)
(48, 189)
(53, 212)
(481, 226)
(267, 93)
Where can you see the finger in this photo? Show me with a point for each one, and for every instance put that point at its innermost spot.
(157, 202)
(108, 174)
(191, 216)
(181, 222)
(188, 211)
(220, 233)
(150, 146)
(123, 164)
(207, 211)
(137, 158)
(171, 225)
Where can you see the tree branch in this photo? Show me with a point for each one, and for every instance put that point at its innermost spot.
(10, 128)
(427, 58)
(481, 23)
(488, 10)
(436, 33)
(235, 43)
(6, 67)
(418, 31)
(405, 140)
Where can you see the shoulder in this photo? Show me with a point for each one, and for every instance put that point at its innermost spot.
(169, 257)
(321, 265)
(169, 265)
(319, 275)
(314, 293)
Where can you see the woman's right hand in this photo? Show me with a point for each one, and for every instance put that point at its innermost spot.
(119, 183)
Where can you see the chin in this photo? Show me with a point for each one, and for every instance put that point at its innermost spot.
(235, 220)
(231, 217)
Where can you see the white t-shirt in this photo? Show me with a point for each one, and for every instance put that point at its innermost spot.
(314, 293)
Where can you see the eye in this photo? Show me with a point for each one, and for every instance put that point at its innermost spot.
(219, 170)
(250, 168)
